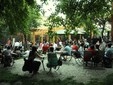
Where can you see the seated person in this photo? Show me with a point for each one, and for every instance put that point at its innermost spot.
(108, 56)
(31, 65)
(92, 50)
(75, 47)
(67, 51)
(58, 48)
(52, 59)
(1, 57)
(45, 48)
(33, 54)
(7, 56)
(81, 49)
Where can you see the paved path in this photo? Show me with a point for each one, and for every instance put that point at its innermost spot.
(69, 69)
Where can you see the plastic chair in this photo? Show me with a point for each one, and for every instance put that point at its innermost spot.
(52, 61)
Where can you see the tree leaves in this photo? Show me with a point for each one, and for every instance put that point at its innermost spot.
(83, 13)
(16, 14)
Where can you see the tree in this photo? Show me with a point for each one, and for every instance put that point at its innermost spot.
(70, 8)
(101, 11)
(79, 11)
(53, 21)
(16, 15)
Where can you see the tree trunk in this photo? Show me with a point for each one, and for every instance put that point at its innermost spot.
(103, 28)
(25, 42)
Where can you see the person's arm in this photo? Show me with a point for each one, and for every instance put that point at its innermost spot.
(38, 56)
(108, 53)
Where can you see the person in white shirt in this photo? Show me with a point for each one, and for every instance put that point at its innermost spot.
(17, 44)
(81, 49)
(102, 46)
(55, 46)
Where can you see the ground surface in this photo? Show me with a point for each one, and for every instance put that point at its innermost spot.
(68, 69)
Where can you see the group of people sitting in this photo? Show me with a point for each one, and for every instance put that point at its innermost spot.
(53, 60)
(78, 49)
(33, 66)
(71, 47)
(7, 54)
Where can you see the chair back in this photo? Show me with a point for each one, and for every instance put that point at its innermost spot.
(52, 59)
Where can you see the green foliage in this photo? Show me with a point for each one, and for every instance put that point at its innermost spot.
(84, 13)
(53, 21)
(30, 2)
(34, 16)
(16, 14)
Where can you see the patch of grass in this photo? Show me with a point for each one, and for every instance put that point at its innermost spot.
(7, 76)
(95, 82)
(108, 80)
(68, 81)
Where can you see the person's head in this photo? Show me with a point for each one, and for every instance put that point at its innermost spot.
(92, 46)
(82, 44)
(34, 48)
(51, 49)
(66, 44)
(109, 45)
(74, 43)
(8, 47)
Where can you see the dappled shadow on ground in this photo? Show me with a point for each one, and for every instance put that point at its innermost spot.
(68, 69)
(8, 78)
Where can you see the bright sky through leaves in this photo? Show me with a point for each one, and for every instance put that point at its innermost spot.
(48, 8)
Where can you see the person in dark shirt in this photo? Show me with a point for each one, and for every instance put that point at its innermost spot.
(7, 56)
